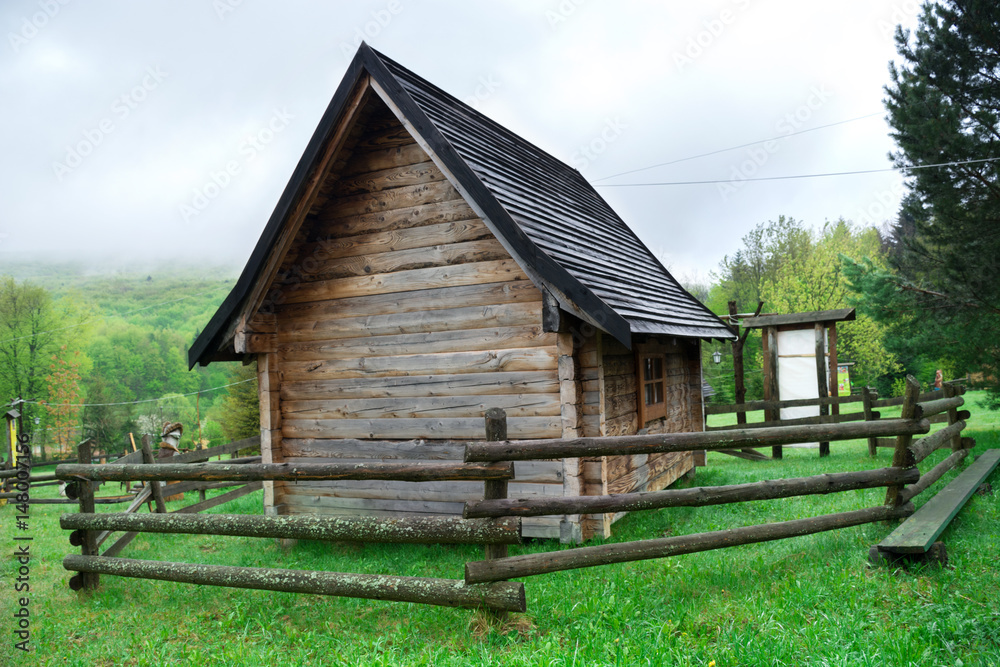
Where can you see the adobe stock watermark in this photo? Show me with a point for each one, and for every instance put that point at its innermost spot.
(587, 153)
(121, 108)
(563, 11)
(380, 20)
(758, 155)
(31, 25)
(22, 547)
(219, 180)
(485, 88)
(223, 8)
(901, 12)
(882, 206)
(704, 39)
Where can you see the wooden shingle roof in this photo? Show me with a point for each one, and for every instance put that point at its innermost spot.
(558, 228)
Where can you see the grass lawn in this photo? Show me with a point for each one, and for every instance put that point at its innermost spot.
(806, 601)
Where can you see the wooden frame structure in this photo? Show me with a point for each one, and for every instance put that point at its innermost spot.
(824, 324)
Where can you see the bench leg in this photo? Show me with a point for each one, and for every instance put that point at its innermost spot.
(936, 555)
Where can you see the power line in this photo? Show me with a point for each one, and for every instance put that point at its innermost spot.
(783, 178)
(103, 317)
(733, 148)
(145, 400)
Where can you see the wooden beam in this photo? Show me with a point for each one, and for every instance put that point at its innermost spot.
(771, 379)
(932, 475)
(605, 554)
(943, 438)
(812, 317)
(902, 457)
(419, 471)
(522, 450)
(918, 533)
(696, 497)
(750, 406)
(415, 530)
(445, 592)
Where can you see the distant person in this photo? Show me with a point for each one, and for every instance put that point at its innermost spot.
(169, 439)
(938, 380)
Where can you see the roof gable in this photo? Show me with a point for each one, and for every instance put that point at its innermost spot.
(554, 224)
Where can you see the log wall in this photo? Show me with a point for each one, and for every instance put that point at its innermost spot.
(400, 316)
(615, 398)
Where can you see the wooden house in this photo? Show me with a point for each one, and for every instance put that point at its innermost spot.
(425, 264)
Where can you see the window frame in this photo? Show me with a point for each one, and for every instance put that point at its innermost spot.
(650, 411)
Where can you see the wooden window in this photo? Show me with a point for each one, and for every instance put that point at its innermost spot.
(652, 398)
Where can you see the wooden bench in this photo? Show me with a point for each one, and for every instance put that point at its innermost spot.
(916, 536)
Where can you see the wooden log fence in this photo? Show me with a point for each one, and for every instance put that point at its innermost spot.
(495, 521)
(896, 478)
(495, 534)
(935, 406)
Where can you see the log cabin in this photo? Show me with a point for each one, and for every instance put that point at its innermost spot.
(425, 264)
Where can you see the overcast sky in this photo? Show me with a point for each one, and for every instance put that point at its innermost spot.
(116, 115)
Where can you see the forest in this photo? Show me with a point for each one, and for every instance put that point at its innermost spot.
(103, 354)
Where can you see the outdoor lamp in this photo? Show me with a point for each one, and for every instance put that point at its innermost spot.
(717, 357)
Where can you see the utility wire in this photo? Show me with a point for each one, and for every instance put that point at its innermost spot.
(145, 400)
(733, 148)
(103, 317)
(783, 178)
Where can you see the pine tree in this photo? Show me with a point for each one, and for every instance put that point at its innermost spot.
(944, 107)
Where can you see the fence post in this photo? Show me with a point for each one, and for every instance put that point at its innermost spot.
(157, 492)
(956, 440)
(866, 394)
(496, 430)
(770, 336)
(88, 544)
(823, 389)
(902, 457)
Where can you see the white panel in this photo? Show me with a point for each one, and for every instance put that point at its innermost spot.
(797, 379)
(800, 341)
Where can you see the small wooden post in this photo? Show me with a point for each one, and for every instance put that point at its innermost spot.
(956, 441)
(88, 546)
(821, 383)
(902, 457)
(496, 430)
(157, 492)
(834, 375)
(738, 372)
(866, 396)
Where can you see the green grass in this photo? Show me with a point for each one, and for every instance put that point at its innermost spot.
(806, 601)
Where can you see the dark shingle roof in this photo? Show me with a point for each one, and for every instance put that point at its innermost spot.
(565, 217)
(551, 219)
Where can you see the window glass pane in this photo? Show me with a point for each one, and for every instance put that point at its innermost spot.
(657, 368)
(647, 369)
(654, 393)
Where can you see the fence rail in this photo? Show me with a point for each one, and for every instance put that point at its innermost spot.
(896, 478)
(495, 520)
